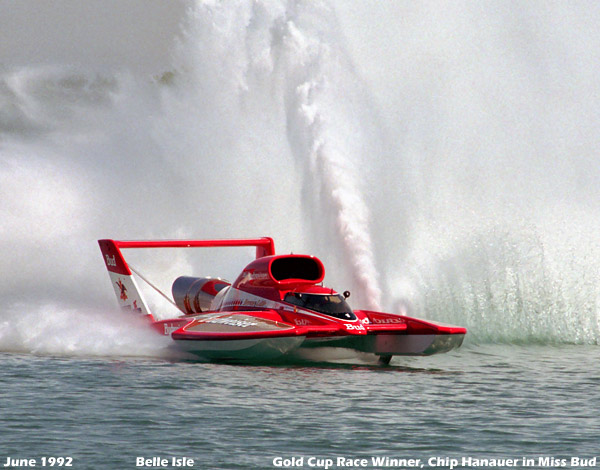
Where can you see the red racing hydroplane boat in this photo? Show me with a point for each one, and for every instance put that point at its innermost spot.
(275, 308)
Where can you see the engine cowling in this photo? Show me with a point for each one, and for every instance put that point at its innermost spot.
(195, 294)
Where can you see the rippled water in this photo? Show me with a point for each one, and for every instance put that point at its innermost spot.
(496, 401)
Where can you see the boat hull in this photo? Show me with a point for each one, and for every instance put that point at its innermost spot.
(255, 349)
(385, 344)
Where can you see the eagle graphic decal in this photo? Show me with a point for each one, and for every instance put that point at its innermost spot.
(123, 289)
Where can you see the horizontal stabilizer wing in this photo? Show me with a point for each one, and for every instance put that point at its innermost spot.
(264, 246)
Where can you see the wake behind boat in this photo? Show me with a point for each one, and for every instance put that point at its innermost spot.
(276, 307)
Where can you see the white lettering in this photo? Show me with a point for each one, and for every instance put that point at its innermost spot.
(344, 462)
(387, 320)
(443, 462)
(350, 326)
(393, 463)
(319, 463)
(293, 462)
(182, 462)
(232, 322)
(580, 462)
(170, 329)
(259, 275)
(10, 462)
(551, 462)
(153, 462)
(111, 261)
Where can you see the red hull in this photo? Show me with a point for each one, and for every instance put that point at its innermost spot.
(275, 307)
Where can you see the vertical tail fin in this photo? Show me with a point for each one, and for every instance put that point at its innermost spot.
(126, 289)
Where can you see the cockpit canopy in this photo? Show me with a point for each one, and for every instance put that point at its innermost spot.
(331, 304)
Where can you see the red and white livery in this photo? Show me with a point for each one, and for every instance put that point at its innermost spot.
(277, 307)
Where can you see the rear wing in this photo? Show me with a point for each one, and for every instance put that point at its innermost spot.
(264, 246)
(126, 289)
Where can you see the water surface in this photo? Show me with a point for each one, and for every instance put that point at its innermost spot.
(496, 401)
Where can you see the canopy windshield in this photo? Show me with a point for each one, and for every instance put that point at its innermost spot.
(330, 304)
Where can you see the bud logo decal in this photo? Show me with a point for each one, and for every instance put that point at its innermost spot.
(357, 327)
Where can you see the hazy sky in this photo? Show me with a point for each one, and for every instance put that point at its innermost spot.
(100, 33)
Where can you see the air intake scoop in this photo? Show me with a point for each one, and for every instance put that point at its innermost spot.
(282, 272)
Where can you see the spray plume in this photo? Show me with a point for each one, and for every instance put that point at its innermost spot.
(484, 208)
